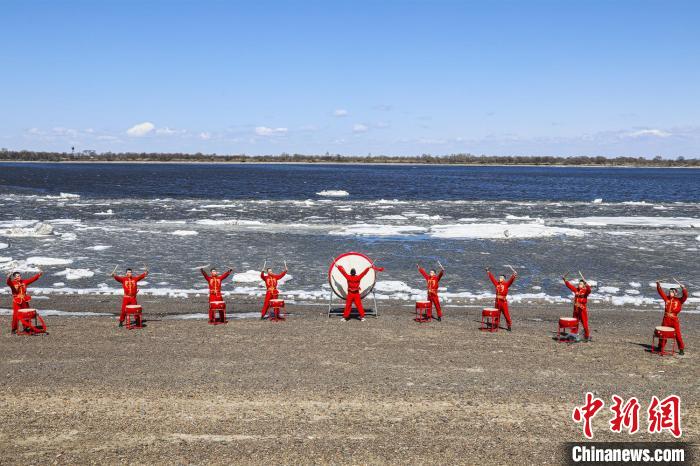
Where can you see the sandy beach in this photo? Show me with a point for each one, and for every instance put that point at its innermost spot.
(316, 390)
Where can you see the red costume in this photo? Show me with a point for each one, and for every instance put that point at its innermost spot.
(353, 295)
(20, 298)
(673, 306)
(271, 285)
(433, 283)
(580, 305)
(131, 289)
(502, 295)
(215, 284)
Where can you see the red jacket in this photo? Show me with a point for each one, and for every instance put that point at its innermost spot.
(580, 296)
(271, 280)
(433, 282)
(19, 288)
(130, 284)
(215, 282)
(673, 305)
(354, 280)
(501, 288)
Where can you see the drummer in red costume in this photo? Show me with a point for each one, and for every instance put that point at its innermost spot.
(353, 294)
(20, 298)
(271, 281)
(130, 284)
(214, 280)
(502, 287)
(433, 282)
(581, 303)
(673, 305)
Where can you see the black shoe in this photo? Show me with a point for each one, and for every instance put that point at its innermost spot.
(587, 339)
(681, 352)
(509, 329)
(121, 324)
(262, 317)
(14, 332)
(439, 319)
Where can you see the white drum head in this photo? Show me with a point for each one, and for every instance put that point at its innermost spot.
(665, 329)
(351, 260)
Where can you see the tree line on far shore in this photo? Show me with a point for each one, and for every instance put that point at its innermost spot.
(451, 159)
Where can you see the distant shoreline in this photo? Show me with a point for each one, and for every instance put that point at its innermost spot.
(383, 163)
(461, 159)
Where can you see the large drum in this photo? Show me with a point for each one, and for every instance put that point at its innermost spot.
(665, 332)
(351, 260)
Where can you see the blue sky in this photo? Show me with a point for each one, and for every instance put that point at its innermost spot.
(353, 77)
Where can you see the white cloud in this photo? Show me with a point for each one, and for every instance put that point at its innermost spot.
(141, 129)
(265, 131)
(205, 135)
(359, 128)
(657, 133)
(340, 112)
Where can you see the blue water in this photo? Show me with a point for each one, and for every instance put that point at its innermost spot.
(404, 182)
(178, 217)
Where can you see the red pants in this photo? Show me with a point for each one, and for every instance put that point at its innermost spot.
(266, 305)
(126, 301)
(356, 299)
(676, 324)
(434, 301)
(15, 311)
(581, 313)
(502, 305)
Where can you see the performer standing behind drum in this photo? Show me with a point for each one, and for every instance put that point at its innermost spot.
(673, 306)
(353, 295)
(271, 280)
(502, 287)
(214, 280)
(433, 281)
(131, 289)
(20, 298)
(581, 303)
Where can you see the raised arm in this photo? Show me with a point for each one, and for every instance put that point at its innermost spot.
(364, 272)
(225, 275)
(588, 288)
(440, 274)
(118, 278)
(491, 277)
(422, 272)
(661, 291)
(204, 274)
(31, 280)
(142, 276)
(342, 270)
(512, 279)
(569, 285)
(685, 294)
(9, 279)
(280, 275)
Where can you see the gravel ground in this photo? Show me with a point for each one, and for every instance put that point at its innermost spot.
(315, 390)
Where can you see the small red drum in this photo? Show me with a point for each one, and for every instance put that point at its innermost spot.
(276, 305)
(133, 310)
(568, 322)
(665, 332)
(31, 321)
(423, 309)
(26, 313)
(214, 307)
(658, 340)
(490, 319)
